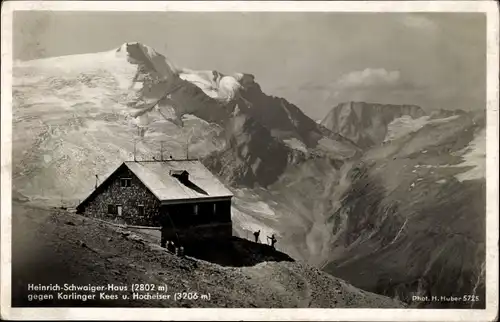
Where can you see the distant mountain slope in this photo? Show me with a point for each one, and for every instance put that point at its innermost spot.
(413, 218)
(366, 123)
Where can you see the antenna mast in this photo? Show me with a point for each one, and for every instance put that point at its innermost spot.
(96, 180)
(134, 150)
(161, 151)
(188, 140)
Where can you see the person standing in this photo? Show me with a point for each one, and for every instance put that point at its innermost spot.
(273, 240)
(256, 235)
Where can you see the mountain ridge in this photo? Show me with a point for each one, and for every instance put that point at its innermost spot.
(366, 123)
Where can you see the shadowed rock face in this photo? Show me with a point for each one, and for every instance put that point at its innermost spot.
(253, 157)
(366, 123)
(283, 119)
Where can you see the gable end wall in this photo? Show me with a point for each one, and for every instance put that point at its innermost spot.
(129, 198)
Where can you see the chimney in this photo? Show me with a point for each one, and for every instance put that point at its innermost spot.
(182, 175)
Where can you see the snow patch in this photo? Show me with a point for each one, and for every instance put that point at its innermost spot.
(405, 125)
(142, 120)
(191, 117)
(259, 207)
(213, 84)
(249, 223)
(228, 88)
(475, 156)
(296, 144)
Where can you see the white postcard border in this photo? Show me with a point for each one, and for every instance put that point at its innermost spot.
(488, 7)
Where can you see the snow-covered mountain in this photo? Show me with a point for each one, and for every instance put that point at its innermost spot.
(91, 109)
(80, 116)
(393, 183)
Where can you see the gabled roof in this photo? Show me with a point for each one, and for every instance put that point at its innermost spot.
(157, 177)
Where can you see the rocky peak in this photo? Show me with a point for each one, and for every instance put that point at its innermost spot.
(366, 123)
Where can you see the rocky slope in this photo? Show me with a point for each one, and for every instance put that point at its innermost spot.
(59, 247)
(366, 123)
(413, 218)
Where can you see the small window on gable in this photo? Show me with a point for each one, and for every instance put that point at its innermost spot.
(140, 210)
(112, 209)
(125, 182)
(195, 209)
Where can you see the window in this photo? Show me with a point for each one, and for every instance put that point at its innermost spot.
(140, 210)
(115, 210)
(195, 210)
(125, 182)
(215, 208)
(111, 209)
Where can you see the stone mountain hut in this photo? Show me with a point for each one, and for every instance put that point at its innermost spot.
(182, 196)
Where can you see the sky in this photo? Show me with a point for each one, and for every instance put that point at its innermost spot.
(314, 60)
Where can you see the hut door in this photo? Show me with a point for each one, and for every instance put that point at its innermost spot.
(119, 210)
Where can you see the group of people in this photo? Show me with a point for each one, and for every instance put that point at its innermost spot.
(272, 238)
(171, 247)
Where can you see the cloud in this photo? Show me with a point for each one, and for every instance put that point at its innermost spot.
(360, 84)
(370, 77)
(416, 21)
(376, 85)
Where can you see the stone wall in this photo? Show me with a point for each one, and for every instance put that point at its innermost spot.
(189, 227)
(128, 197)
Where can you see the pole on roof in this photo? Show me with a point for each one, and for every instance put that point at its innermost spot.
(135, 150)
(96, 180)
(187, 147)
